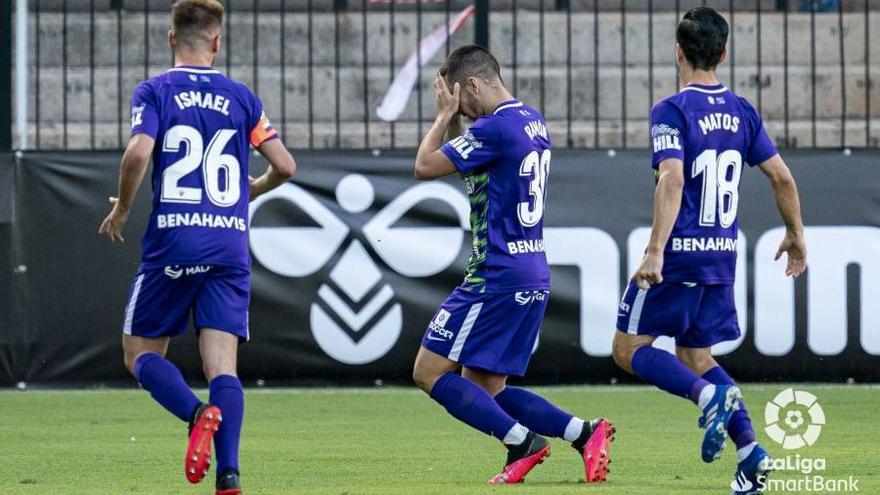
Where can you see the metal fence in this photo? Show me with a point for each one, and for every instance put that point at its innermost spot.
(323, 67)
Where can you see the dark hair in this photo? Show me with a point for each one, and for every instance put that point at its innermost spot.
(702, 34)
(192, 20)
(470, 61)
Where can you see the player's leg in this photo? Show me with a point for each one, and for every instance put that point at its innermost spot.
(700, 360)
(463, 399)
(221, 314)
(671, 309)
(636, 355)
(474, 406)
(145, 359)
(544, 418)
(219, 350)
(644, 315)
(156, 311)
(717, 322)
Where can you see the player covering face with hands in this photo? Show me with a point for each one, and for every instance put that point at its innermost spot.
(701, 139)
(487, 329)
(197, 125)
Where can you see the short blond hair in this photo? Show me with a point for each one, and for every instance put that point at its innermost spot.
(194, 21)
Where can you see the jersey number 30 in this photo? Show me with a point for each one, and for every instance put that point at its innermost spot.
(721, 175)
(224, 189)
(537, 167)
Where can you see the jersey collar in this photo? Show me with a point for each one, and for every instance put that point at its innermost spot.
(711, 89)
(507, 104)
(194, 69)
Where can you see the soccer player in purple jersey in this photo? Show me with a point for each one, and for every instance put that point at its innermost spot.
(198, 126)
(700, 138)
(488, 327)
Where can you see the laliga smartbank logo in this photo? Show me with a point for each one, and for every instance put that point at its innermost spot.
(794, 420)
(355, 317)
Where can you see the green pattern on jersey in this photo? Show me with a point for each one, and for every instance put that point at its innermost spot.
(477, 184)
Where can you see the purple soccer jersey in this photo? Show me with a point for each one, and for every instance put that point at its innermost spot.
(504, 159)
(713, 132)
(204, 124)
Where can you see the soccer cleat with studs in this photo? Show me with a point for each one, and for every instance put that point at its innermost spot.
(595, 449)
(522, 459)
(716, 416)
(205, 423)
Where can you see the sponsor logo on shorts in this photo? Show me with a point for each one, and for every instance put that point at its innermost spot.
(438, 326)
(177, 271)
(172, 272)
(528, 297)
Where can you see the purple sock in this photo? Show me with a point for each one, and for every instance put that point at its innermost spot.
(471, 404)
(666, 372)
(740, 426)
(166, 385)
(226, 393)
(534, 412)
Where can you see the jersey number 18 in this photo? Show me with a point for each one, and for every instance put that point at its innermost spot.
(721, 175)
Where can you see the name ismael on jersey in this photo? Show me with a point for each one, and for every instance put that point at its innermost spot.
(190, 99)
(196, 219)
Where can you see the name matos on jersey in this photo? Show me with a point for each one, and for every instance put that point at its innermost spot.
(718, 121)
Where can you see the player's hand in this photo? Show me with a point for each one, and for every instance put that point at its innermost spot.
(794, 245)
(650, 271)
(115, 221)
(447, 99)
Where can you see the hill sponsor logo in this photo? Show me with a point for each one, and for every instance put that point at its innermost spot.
(794, 420)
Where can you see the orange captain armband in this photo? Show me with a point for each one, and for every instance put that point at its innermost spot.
(262, 132)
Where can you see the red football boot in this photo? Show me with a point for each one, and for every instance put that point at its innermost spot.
(205, 424)
(595, 451)
(522, 459)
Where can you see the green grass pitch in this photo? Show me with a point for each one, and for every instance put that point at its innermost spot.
(391, 441)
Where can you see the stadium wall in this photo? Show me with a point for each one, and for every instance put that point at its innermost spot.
(351, 260)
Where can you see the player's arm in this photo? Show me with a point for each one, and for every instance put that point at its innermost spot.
(282, 167)
(135, 161)
(789, 205)
(667, 203)
(431, 163)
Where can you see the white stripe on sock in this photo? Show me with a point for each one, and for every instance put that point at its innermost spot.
(516, 435)
(574, 429)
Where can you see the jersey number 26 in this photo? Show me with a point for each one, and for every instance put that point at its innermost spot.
(223, 189)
